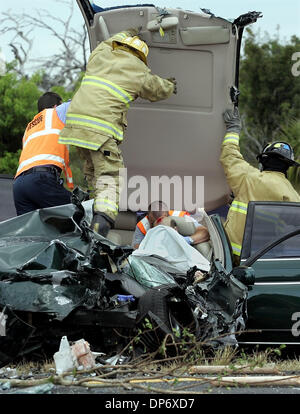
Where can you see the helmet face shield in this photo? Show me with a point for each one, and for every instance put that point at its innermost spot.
(279, 149)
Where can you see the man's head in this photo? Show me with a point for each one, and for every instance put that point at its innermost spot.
(157, 210)
(277, 156)
(135, 45)
(49, 100)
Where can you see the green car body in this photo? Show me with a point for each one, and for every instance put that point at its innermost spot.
(273, 303)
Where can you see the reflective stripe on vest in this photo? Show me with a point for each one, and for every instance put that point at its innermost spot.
(49, 125)
(239, 207)
(178, 213)
(232, 137)
(144, 225)
(94, 123)
(109, 86)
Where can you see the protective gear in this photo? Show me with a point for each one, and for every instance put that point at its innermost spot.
(248, 184)
(173, 80)
(137, 44)
(232, 120)
(101, 224)
(278, 149)
(101, 169)
(97, 115)
(41, 147)
(90, 120)
(274, 164)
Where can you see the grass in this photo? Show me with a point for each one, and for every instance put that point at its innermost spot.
(227, 356)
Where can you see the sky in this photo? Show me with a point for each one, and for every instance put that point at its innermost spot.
(276, 13)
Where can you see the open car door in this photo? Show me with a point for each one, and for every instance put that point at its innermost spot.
(181, 136)
(271, 246)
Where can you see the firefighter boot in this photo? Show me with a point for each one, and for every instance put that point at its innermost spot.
(101, 223)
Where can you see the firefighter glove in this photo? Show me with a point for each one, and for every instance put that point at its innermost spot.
(232, 120)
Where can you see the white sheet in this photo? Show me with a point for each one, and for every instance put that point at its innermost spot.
(167, 243)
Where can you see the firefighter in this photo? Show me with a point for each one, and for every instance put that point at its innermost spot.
(117, 74)
(157, 211)
(269, 183)
(37, 182)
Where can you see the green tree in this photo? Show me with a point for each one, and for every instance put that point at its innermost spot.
(18, 105)
(9, 162)
(291, 133)
(270, 94)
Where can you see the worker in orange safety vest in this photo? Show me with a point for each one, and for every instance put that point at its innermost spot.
(37, 181)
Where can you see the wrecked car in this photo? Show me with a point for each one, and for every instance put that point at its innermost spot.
(58, 277)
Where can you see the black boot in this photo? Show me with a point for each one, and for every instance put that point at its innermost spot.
(101, 223)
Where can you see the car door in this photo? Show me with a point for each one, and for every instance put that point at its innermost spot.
(179, 137)
(274, 299)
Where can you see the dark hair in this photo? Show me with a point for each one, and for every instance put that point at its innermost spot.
(48, 100)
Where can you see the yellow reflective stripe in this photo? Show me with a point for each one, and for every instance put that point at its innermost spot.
(96, 123)
(108, 205)
(236, 248)
(231, 137)
(239, 206)
(110, 87)
(78, 142)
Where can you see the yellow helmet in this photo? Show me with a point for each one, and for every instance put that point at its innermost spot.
(136, 43)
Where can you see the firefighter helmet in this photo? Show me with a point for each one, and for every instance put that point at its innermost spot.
(279, 149)
(137, 44)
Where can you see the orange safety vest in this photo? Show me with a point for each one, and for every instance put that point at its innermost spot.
(144, 224)
(41, 147)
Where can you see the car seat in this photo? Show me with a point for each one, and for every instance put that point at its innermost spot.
(122, 233)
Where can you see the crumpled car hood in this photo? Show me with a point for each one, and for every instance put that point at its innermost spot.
(52, 265)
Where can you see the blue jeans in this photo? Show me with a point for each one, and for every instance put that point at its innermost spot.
(36, 190)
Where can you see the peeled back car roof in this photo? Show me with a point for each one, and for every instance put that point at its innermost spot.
(178, 138)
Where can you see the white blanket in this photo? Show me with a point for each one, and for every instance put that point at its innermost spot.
(165, 242)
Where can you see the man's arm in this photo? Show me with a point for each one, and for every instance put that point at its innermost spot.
(155, 88)
(235, 167)
(137, 238)
(61, 111)
(201, 235)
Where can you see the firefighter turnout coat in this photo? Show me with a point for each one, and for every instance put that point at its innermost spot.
(249, 184)
(113, 79)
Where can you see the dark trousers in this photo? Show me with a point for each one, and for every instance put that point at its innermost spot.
(39, 189)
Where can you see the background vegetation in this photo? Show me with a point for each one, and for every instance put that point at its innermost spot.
(269, 101)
